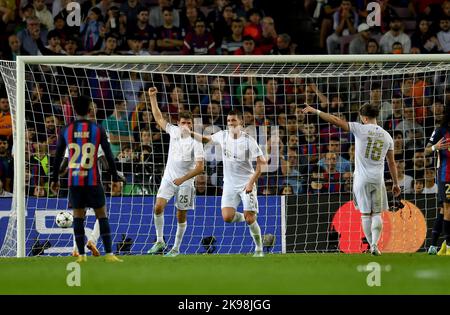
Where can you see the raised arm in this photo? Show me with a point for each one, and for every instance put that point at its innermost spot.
(155, 109)
(393, 170)
(201, 138)
(327, 117)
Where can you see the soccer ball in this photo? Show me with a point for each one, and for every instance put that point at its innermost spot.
(64, 219)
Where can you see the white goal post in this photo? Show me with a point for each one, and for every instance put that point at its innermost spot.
(330, 67)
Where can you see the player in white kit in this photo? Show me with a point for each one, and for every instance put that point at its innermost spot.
(372, 145)
(239, 150)
(185, 161)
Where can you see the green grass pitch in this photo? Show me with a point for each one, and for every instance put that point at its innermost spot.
(230, 274)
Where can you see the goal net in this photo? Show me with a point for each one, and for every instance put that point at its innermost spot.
(304, 194)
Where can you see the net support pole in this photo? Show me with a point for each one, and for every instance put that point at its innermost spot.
(19, 157)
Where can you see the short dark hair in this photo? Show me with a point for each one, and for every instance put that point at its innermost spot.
(82, 105)
(185, 114)
(236, 112)
(369, 110)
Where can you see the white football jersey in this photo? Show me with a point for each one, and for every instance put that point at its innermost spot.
(237, 155)
(183, 154)
(371, 146)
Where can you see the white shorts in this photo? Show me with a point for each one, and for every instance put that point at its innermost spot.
(370, 197)
(232, 197)
(184, 194)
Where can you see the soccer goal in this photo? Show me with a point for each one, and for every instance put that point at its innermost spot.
(304, 193)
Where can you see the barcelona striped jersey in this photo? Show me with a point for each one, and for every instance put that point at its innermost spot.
(444, 155)
(83, 139)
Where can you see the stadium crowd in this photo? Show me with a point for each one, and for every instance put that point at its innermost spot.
(314, 157)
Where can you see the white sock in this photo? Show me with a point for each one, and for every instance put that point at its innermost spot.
(367, 227)
(238, 217)
(255, 231)
(159, 225)
(181, 228)
(95, 232)
(377, 225)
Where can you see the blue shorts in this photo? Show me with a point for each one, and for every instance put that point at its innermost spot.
(443, 192)
(81, 197)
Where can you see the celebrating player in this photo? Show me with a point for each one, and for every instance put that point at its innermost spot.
(439, 141)
(239, 150)
(372, 145)
(179, 174)
(83, 138)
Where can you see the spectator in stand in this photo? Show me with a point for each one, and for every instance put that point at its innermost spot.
(43, 14)
(129, 10)
(24, 13)
(7, 11)
(333, 179)
(342, 164)
(216, 13)
(109, 47)
(325, 11)
(253, 26)
(404, 180)
(434, 117)
(372, 47)
(71, 46)
(248, 47)
(91, 28)
(61, 28)
(397, 48)
(418, 185)
(223, 27)
(392, 121)
(117, 127)
(200, 42)
(345, 22)
(395, 34)
(190, 5)
(284, 45)
(188, 26)
(14, 48)
(358, 45)
(169, 38)
(444, 35)
(54, 44)
(430, 186)
(423, 40)
(136, 45)
(203, 188)
(156, 14)
(142, 29)
(5, 117)
(28, 36)
(376, 98)
(409, 126)
(269, 36)
(244, 8)
(290, 169)
(176, 104)
(234, 41)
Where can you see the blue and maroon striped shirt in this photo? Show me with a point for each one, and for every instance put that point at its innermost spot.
(444, 155)
(83, 138)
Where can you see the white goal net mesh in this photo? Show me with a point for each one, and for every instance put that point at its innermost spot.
(304, 194)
